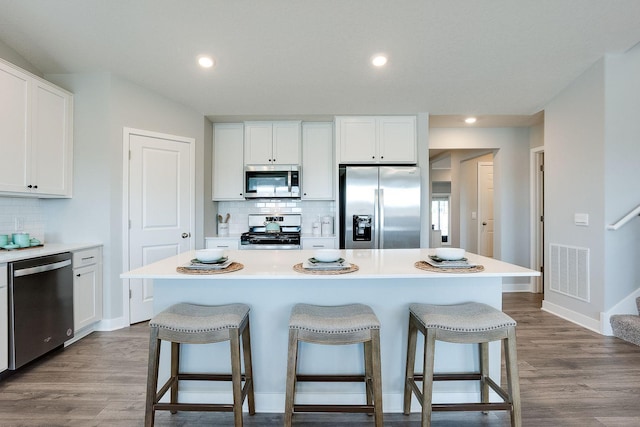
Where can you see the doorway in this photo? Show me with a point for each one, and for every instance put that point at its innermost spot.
(158, 208)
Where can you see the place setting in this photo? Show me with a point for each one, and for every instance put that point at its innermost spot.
(448, 260)
(325, 261)
(210, 261)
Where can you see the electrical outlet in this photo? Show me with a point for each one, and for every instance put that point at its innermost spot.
(19, 223)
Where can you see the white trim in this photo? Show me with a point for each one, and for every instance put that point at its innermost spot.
(126, 134)
(533, 229)
(572, 316)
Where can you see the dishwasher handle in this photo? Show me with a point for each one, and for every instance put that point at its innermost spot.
(41, 268)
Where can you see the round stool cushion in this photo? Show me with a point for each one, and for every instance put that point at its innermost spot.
(195, 319)
(467, 317)
(341, 319)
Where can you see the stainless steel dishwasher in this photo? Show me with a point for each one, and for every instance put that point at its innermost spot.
(40, 307)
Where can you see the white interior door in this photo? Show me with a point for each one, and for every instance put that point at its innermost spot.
(161, 206)
(485, 209)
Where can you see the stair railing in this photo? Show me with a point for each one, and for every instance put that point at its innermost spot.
(625, 219)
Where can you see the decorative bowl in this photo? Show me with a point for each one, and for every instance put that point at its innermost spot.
(208, 255)
(327, 255)
(450, 254)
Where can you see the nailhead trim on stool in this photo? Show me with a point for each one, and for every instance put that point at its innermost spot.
(335, 325)
(468, 323)
(199, 324)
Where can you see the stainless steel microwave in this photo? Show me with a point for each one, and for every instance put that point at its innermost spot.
(271, 181)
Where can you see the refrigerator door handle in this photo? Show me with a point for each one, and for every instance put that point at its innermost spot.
(376, 219)
(380, 232)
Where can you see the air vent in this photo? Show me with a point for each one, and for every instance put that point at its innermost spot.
(569, 271)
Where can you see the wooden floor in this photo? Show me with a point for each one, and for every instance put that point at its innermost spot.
(569, 376)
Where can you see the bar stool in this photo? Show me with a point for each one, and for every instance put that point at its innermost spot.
(468, 323)
(335, 325)
(198, 324)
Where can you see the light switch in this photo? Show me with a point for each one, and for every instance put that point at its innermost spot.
(581, 219)
(474, 215)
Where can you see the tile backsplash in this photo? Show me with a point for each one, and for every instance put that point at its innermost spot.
(26, 211)
(310, 211)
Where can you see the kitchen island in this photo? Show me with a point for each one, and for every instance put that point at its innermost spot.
(386, 279)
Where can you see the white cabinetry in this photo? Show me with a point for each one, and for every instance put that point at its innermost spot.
(4, 319)
(228, 171)
(87, 287)
(318, 242)
(317, 161)
(35, 134)
(377, 139)
(232, 243)
(272, 143)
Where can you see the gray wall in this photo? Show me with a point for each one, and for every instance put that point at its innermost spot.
(104, 105)
(592, 154)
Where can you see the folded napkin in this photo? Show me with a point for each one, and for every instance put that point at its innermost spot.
(194, 265)
(311, 264)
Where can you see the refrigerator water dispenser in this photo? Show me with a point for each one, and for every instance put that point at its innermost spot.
(362, 228)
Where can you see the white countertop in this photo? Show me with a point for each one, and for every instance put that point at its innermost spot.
(47, 249)
(278, 264)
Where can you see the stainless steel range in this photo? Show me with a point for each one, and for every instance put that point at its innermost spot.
(272, 231)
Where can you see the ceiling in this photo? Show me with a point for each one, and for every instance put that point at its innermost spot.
(503, 60)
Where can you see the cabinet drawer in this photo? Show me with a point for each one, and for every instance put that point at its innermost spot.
(214, 242)
(318, 243)
(86, 257)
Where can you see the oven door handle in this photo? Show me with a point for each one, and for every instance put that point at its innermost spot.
(41, 268)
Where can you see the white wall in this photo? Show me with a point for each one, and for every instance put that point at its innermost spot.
(104, 105)
(8, 54)
(511, 175)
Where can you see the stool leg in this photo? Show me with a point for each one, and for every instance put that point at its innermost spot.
(175, 370)
(377, 376)
(484, 372)
(152, 377)
(428, 371)
(292, 363)
(248, 367)
(236, 376)
(368, 369)
(511, 362)
(412, 338)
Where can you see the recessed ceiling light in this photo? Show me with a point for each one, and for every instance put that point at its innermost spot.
(470, 120)
(379, 60)
(205, 61)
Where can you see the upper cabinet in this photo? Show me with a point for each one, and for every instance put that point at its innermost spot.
(36, 142)
(317, 161)
(272, 143)
(377, 139)
(228, 171)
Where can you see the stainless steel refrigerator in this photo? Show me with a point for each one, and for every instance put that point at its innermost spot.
(379, 207)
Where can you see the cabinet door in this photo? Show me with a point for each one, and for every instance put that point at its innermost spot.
(87, 295)
(258, 139)
(51, 141)
(4, 320)
(14, 129)
(357, 139)
(228, 171)
(317, 161)
(397, 140)
(286, 143)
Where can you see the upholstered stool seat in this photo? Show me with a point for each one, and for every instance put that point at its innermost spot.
(198, 324)
(336, 325)
(468, 323)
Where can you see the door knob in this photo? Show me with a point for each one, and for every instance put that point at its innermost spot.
(484, 223)
(185, 235)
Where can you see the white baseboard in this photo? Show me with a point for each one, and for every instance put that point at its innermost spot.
(110, 324)
(572, 316)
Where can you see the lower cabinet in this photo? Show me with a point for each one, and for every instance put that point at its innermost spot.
(87, 287)
(232, 243)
